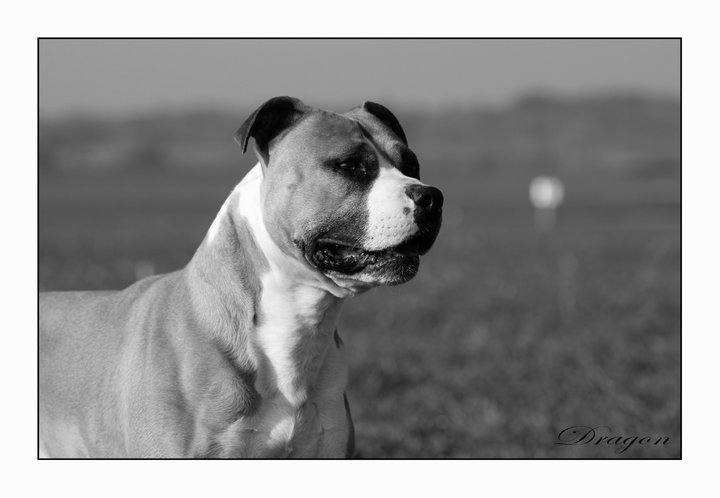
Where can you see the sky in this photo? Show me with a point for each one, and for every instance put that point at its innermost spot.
(127, 77)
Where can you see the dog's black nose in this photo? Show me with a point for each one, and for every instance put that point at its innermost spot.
(426, 198)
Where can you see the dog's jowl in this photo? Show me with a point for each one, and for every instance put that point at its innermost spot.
(237, 354)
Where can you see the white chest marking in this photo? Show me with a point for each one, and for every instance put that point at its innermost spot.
(292, 344)
(296, 325)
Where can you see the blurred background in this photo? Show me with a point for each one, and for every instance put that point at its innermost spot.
(514, 329)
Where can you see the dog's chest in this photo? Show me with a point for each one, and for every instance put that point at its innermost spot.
(294, 332)
(301, 379)
(317, 427)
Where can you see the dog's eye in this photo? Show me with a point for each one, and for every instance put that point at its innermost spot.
(350, 165)
(353, 167)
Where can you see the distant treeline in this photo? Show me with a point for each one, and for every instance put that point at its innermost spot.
(629, 135)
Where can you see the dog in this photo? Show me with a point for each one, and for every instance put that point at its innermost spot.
(237, 355)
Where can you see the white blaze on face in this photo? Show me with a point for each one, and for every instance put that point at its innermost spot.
(390, 210)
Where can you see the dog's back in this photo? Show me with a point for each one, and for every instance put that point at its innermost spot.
(87, 346)
(75, 356)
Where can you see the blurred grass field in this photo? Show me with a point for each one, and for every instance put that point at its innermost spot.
(507, 335)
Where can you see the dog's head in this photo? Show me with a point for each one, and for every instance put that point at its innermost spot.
(342, 191)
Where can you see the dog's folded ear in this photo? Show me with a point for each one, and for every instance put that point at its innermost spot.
(268, 121)
(388, 118)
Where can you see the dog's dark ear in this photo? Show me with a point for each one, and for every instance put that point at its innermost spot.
(388, 118)
(268, 120)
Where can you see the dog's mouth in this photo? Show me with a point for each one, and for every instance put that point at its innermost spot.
(347, 258)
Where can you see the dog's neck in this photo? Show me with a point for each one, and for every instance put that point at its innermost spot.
(295, 310)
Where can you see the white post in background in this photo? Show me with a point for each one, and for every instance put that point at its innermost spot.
(546, 195)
